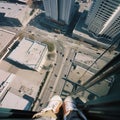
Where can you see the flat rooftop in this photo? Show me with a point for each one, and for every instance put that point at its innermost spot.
(82, 57)
(3, 76)
(29, 53)
(14, 101)
(5, 38)
(12, 10)
(5, 80)
(26, 86)
(85, 60)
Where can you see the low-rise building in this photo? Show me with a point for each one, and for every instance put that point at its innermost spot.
(29, 53)
(6, 38)
(16, 92)
(16, 13)
(85, 60)
(5, 80)
(14, 101)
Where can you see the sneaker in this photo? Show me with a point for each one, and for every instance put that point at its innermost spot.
(70, 105)
(54, 104)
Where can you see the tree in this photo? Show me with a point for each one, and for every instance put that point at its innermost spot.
(50, 46)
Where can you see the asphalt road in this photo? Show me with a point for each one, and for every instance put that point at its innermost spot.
(55, 82)
(64, 73)
(65, 55)
(46, 93)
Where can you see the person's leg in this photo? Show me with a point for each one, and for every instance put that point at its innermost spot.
(70, 110)
(49, 113)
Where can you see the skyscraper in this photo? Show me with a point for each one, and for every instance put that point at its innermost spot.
(104, 18)
(51, 8)
(59, 10)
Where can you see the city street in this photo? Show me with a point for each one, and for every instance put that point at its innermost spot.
(65, 51)
(64, 73)
(65, 54)
(68, 48)
(46, 91)
(61, 69)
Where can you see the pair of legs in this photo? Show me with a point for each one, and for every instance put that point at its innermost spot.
(70, 111)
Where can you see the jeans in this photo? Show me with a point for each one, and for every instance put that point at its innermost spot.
(75, 115)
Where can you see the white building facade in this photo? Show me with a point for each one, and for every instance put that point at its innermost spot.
(103, 19)
(51, 8)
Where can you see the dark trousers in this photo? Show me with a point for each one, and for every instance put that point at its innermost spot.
(75, 115)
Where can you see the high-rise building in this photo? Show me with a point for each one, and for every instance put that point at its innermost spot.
(59, 10)
(51, 8)
(103, 19)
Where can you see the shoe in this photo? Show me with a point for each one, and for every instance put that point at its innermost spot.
(54, 105)
(69, 105)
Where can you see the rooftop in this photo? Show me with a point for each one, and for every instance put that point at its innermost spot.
(12, 10)
(3, 76)
(5, 38)
(88, 59)
(23, 85)
(14, 101)
(5, 80)
(29, 53)
(82, 57)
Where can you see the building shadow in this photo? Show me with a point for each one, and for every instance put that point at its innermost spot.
(18, 65)
(41, 22)
(11, 22)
